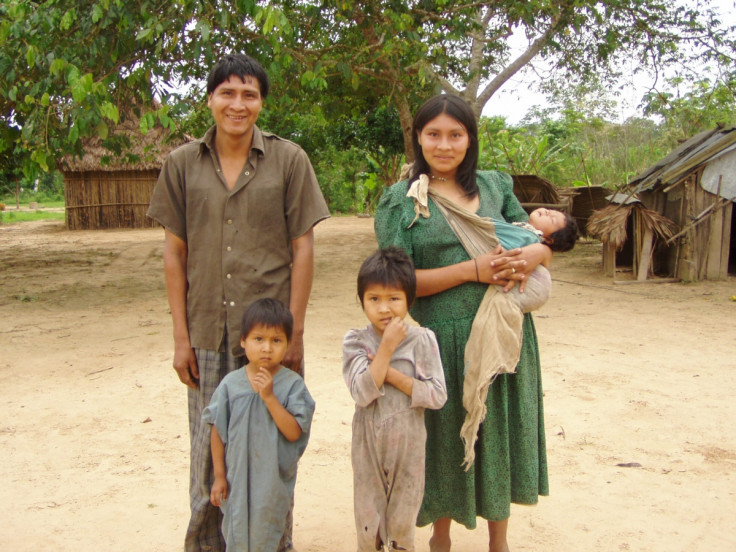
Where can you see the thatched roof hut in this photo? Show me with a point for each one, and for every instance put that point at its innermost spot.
(533, 191)
(585, 201)
(686, 199)
(103, 189)
(626, 216)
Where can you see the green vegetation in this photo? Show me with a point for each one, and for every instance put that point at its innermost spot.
(10, 216)
(347, 79)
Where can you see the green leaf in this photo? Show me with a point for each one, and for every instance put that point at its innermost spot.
(102, 130)
(67, 20)
(307, 77)
(143, 34)
(97, 13)
(45, 99)
(204, 30)
(110, 111)
(31, 57)
(57, 66)
(74, 134)
(39, 157)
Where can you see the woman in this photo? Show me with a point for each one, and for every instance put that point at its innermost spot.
(510, 460)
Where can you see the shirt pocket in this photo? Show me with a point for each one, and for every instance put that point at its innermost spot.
(265, 208)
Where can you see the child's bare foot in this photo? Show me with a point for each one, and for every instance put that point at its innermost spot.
(438, 544)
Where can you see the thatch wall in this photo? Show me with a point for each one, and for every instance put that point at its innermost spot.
(108, 199)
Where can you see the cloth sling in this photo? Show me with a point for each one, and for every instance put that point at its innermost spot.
(494, 344)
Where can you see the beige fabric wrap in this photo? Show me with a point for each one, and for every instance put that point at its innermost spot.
(494, 345)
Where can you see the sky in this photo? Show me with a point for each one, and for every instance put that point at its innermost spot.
(514, 100)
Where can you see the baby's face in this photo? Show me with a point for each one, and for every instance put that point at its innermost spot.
(548, 221)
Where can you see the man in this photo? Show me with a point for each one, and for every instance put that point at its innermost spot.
(238, 207)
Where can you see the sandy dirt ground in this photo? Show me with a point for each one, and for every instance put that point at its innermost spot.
(639, 396)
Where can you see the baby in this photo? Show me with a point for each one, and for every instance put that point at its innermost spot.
(494, 344)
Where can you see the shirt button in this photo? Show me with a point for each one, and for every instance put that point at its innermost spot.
(247, 173)
(229, 248)
(229, 276)
(232, 303)
(224, 303)
(229, 221)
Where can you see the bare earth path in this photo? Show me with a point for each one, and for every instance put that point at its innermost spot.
(639, 396)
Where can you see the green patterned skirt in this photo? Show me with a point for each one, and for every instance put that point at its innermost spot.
(510, 458)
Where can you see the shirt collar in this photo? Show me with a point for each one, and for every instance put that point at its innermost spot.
(207, 141)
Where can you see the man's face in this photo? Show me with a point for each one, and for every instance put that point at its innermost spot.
(235, 105)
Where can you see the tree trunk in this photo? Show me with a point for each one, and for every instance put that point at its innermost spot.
(406, 119)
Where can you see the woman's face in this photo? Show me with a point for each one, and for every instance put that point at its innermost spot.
(444, 141)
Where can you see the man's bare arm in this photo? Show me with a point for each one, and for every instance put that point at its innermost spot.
(302, 273)
(175, 270)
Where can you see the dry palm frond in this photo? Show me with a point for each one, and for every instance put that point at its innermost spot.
(660, 225)
(609, 224)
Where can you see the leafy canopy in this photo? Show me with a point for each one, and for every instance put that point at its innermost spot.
(75, 68)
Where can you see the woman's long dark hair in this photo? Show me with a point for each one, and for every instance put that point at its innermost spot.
(458, 109)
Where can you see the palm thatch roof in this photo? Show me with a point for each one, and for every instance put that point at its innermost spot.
(138, 151)
(533, 189)
(609, 224)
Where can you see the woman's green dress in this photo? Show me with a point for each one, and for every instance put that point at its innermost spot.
(510, 459)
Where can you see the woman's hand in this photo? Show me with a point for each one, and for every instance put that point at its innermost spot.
(502, 268)
(505, 268)
(499, 267)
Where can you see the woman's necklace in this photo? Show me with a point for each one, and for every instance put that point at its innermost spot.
(440, 178)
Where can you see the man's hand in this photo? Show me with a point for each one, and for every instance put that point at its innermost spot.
(185, 364)
(294, 358)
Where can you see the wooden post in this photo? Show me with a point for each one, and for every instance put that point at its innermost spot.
(646, 254)
(609, 260)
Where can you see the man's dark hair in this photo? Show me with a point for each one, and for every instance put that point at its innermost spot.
(267, 312)
(564, 239)
(241, 66)
(388, 267)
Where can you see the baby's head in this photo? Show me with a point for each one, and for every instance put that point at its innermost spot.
(390, 267)
(559, 229)
(266, 314)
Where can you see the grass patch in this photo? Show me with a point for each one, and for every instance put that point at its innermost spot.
(13, 216)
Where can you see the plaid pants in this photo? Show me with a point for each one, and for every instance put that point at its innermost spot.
(203, 532)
